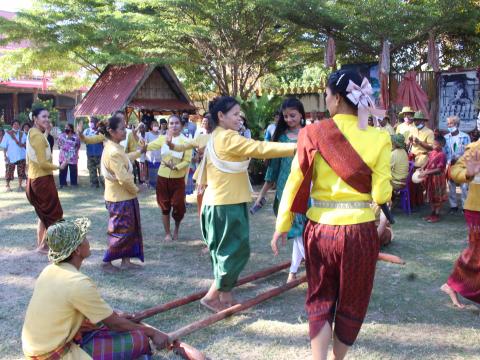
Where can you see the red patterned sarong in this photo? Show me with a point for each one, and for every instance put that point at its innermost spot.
(42, 194)
(340, 261)
(465, 278)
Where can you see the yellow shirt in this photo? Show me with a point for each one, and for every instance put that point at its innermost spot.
(63, 297)
(117, 163)
(458, 173)
(399, 166)
(181, 159)
(39, 156)
(374, 147)
(225, 188)
(421, 154)
(405, 129)
(131, 146)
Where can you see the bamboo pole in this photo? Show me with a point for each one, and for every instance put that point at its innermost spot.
(197, 296)
(391, 258)
(197, 325)
(187, 352)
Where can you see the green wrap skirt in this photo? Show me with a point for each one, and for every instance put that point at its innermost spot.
(225, 230)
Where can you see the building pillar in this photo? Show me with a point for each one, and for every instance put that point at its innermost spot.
(15, 104)
(35, 95)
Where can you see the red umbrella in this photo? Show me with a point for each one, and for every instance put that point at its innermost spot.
(411, 94)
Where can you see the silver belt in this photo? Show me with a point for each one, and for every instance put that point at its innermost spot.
(340, 204)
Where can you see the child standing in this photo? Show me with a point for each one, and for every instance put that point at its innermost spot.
(292, 119)
(435, 180)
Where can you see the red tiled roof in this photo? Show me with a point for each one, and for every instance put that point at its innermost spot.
(116, 87)
(112, 90)
(161, 104)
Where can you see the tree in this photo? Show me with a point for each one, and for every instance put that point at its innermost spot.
(235, 42)
(360, 26)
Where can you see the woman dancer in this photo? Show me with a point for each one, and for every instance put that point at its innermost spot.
(292, 119)
(342, 165)
(171, 177)
(124, 227)
(224, 218)
(465, 277)
(41, 190)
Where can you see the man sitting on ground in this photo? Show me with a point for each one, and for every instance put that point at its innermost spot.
(65, 305)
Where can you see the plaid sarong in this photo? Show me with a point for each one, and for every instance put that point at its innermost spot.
(104, 344)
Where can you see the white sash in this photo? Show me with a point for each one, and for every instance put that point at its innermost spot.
(32, 155)
(229, 167)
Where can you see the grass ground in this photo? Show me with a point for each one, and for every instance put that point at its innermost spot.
(408, 318)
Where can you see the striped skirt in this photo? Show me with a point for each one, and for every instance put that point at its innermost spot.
(465, 278)
(124, 231)
(340, 261)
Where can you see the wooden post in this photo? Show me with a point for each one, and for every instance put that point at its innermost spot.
(15, 105)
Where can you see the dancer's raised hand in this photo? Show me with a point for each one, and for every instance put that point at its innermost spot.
(80, 127)
(274, 242)
(169, 139)
(472, 163)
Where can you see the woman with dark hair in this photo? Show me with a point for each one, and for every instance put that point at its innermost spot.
(244, 129)
(41, 190)
(224, 218)
(171, 177)
(341, 166)
(292, 119)
(68, 144)
(124, 227)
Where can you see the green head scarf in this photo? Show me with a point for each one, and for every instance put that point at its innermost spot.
(64, 237)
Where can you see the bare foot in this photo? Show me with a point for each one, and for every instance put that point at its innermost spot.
(109, 267)
(130, 265)
(205, 251)
(8, 188)
(168, 238)
(453, 295)
(20, 189)
(175, 236)
(212, 305)
(291, 277)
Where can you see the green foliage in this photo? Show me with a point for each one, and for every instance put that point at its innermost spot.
(311, 76)
(360, 26)
(259, 111)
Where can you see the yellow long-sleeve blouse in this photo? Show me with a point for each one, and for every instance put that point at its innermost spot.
(131, 148)
(374, 147)
(39, 157)
(458, 173)
(225, 188)
(181, 164)
(117, 162)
